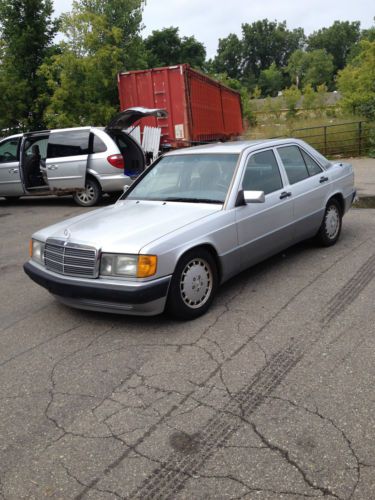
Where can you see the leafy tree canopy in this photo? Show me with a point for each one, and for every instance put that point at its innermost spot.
(26, 34)
(356, 81)
(165, 48)
(229, 57)
(337, 40)
(266, 42)
(271, 80)
(82, 77)
(310, 68)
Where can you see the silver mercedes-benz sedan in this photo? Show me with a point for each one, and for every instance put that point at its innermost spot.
(191, 221)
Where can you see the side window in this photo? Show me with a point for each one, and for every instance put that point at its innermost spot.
(70, 143)
(262, 173)
(294, 163)
(9, 150)
(311, 164)
(40, 142)
(98, 145)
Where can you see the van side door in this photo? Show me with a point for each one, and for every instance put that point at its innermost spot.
(10, 177)
(67, 155)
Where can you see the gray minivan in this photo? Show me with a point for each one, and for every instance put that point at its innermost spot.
(82, 161)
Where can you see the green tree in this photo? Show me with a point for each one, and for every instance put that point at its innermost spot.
(229, 57)
(271, 81)
(26, 34)
(296, 67)
(266, 42)
(165, 48)
(337, 40)
(356, 82)
(82, 77)
(292, 96)
(309, 97)
(319, 68)
(314, 68)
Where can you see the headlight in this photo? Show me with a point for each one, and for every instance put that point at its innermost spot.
(37, 251)
(133, 266)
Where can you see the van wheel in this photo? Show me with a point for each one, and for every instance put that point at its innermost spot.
(330, 229)
(193, 286)
(90, 196)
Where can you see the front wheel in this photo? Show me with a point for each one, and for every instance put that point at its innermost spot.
(90, 196)
(193, 285)
(330, 229)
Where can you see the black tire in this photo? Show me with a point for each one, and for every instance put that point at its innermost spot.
(90, 196)
(189, 298)
(330, 228)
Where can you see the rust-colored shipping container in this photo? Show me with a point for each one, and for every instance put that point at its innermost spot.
(199, 108)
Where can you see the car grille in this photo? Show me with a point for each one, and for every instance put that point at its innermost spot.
(70, 259)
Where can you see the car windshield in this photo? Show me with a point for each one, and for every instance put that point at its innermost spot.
(194, 178)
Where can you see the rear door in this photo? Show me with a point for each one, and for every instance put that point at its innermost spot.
(67, 155)
(10, 177)
(309, 185)
(264, 228)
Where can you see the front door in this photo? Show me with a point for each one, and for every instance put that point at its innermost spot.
(10, 177)
(66, 162)
(264, 228)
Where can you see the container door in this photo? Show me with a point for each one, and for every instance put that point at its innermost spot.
(10, 178)
(67, 156)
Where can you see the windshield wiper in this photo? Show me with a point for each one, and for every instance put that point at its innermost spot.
(194, 200)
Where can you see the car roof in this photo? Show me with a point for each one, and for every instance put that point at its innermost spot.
(235, 146)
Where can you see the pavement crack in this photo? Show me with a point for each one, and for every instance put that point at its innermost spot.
(317, 413)
(286, 456)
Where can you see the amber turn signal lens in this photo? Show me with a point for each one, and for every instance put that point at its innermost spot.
(146, 265)
(31, 248)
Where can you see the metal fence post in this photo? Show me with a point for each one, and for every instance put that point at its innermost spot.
(325, 139)
(359, 138)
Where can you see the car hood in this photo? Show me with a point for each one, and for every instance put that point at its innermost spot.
(128, 226)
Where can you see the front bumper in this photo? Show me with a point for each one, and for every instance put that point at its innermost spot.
(116, 296)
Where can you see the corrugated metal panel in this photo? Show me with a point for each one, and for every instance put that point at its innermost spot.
(199, 108)
(206, 108)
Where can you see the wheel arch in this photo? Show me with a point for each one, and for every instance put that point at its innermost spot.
(211, 249)
(91, 174)
(340, 200)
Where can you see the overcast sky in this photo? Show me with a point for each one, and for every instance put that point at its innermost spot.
(209, 20)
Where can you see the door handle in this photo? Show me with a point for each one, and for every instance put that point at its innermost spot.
(13, 170)
(285, 194)
(323, 179)
(52, 167)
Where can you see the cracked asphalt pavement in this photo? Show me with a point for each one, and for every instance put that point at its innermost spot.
(268, 396)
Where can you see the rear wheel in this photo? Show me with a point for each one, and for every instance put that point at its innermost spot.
(330, 229)
(90, 196)
(193, 285)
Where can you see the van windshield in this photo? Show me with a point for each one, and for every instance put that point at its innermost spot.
(194, 178)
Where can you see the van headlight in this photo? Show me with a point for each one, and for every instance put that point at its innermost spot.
(132, 266)
(37, 251)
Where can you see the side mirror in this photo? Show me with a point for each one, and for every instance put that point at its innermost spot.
(125, 188)
(254, 196)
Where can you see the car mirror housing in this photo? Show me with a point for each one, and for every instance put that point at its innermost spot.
(254, 196)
